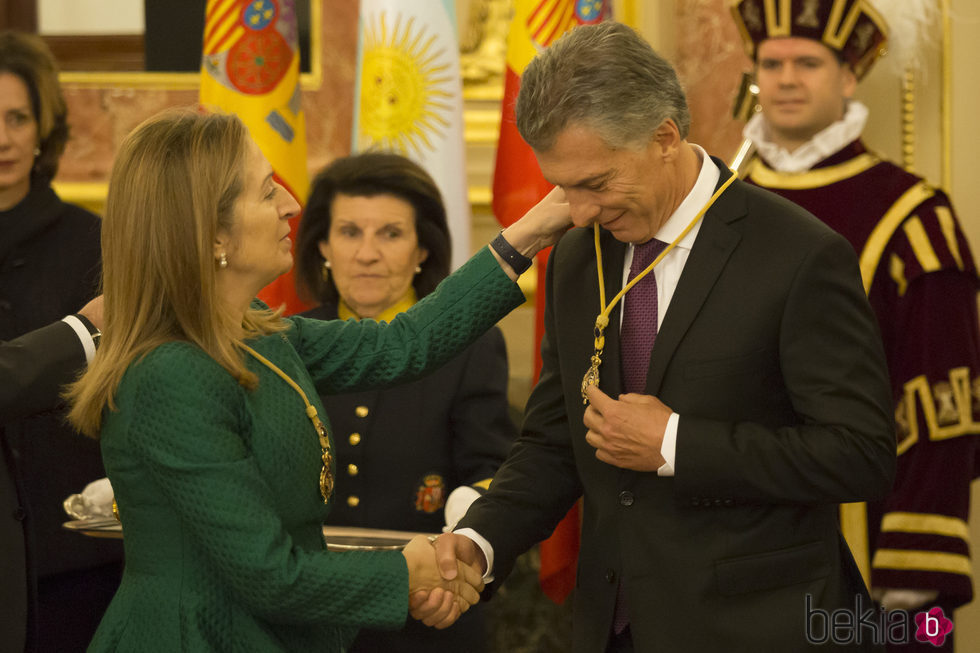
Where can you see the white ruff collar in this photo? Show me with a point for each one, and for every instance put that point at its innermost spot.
(826, 142)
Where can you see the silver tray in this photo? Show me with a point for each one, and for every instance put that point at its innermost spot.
(338, 538)
(96, 527)
(349, 538)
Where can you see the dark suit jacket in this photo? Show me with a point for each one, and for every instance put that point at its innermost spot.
(35, 366)
(770, 355)
(411, 445)
(417, 442)
(33, 369)
(49, 266)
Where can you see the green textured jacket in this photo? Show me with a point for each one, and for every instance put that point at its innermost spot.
(218, 486)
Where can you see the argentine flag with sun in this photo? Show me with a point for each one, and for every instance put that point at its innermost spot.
(409, 97)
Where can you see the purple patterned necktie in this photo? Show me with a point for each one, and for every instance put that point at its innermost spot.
(639, 328)
(638, 331)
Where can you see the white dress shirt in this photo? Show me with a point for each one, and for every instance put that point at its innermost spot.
(668, 271)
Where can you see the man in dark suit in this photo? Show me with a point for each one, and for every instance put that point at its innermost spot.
(34, 368)
(742, 390)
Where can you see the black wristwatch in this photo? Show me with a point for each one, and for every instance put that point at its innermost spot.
(514, 259)
(92, 329)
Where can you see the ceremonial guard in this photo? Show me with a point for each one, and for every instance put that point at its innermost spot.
(913, 547)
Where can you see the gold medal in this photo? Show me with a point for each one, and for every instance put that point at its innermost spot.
(592, 374)
(326, 459)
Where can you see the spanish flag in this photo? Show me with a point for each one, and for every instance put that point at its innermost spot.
(250, 67)
(517, 186)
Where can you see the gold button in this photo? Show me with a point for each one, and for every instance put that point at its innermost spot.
(353, 500)
(352, 469)
(361, 411)
(354, 439)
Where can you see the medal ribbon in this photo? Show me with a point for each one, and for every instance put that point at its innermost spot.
(326, 459)
(602, 319)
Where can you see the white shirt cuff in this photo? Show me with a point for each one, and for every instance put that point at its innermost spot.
(484, 546)
(83, 335)
(668, 448)
(457, 504)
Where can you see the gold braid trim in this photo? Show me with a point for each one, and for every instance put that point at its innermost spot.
(882, 233)
(762, 174)
(917, 522)
(953, 418)
(921, 247)
(947, 224)
(949, 563)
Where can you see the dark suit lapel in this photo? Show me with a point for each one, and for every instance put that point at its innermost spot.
(715, 243)
(613, 256)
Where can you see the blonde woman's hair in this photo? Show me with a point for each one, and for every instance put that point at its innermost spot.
(174, 185)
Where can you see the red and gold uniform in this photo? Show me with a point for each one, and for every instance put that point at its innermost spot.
(922, 283)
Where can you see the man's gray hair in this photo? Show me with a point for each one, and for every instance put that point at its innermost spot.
(605, 77)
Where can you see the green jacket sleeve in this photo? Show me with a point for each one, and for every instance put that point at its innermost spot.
(351, 356)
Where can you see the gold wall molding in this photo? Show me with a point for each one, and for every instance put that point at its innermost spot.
(910, 96)
(310, 81)
(946, 99)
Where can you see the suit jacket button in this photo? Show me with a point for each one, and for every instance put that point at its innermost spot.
(353, 501)
(354, 439)
(626, 498)
(362, 411)
(610, 576)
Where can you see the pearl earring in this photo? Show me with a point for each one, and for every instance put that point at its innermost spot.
(325, 270)
(418, 269)
(37, 152)
(223, 261)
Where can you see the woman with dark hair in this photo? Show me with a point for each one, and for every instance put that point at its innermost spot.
(56, 585)
(373, 240)
(372, 175)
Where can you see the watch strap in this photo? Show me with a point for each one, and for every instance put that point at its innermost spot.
(511, 256)
(92, 329)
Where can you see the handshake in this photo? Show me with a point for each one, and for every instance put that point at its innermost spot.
(445, 578)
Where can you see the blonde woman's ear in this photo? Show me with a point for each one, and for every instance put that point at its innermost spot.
(220, 250)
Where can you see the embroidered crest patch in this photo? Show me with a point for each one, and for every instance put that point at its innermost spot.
(431, 494)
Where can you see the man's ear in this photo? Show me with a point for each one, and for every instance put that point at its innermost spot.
(668, 138)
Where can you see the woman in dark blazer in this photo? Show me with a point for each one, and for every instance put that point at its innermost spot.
(58, 583)
(373, 240)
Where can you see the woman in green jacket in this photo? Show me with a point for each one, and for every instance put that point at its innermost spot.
(206, 403)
